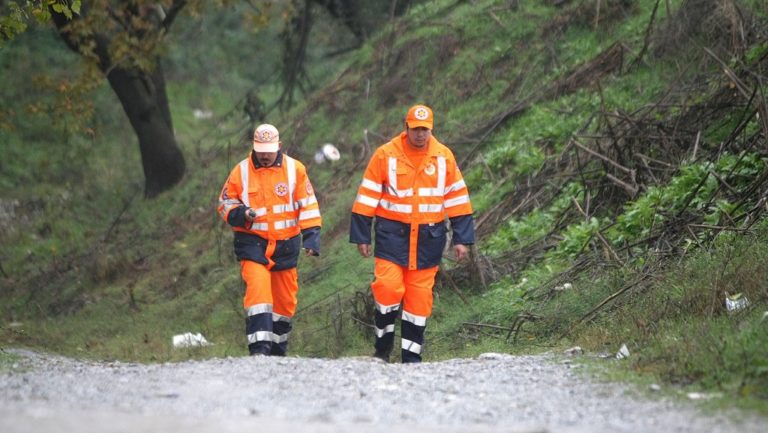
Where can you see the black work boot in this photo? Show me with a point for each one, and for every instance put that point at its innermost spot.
(260, 348)
(410, 357)
(383, 354)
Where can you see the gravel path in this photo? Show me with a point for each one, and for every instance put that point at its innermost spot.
(492, 393)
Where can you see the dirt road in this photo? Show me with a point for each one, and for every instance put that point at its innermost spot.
(493, 393)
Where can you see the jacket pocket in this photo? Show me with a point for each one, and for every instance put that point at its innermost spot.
(391, 240)
(432, 240)
(286, 253)
(250, 247)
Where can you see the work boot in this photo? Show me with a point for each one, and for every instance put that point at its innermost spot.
(382, 355)
(410, 357)
(259, 348)
(278, 349)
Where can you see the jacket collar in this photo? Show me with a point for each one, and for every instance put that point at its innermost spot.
(257, 165)
(401, 142)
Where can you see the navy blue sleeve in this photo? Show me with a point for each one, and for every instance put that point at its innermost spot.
(463, 230)
(311, 239)
(236, 217)
(360, 229)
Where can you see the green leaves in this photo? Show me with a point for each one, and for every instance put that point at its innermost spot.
(15, 19)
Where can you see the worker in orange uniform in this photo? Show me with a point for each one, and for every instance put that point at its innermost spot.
(270, 204)
(410, 186)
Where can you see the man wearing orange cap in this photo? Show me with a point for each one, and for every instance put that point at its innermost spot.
(269, 202)
(412, 184)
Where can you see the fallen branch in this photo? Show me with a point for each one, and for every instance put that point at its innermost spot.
(449, 279)
(517, 324)
(629, 189)
(605, 301)
(647, 39)
(604, 158)
(127, 204)
(713, 227)
(486, 325)
(609, 248)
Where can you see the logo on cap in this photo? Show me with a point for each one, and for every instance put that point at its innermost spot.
(421, 113)
(266, 133)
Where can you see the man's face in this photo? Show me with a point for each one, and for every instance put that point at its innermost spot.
(266, 159)
(418, 137)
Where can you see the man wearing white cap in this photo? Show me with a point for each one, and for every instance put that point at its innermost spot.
(271, 206)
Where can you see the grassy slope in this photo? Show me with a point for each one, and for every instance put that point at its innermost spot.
(167, 266)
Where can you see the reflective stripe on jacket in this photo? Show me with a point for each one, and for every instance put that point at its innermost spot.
(411, 203)
(285, 205)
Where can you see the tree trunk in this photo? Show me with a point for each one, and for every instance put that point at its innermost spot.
(145, 103)
(144, 100)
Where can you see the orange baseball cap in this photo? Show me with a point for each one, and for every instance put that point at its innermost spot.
(266, 138)
(419, 116)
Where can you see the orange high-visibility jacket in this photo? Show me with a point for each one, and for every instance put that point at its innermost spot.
(284, 202)
(411, 203)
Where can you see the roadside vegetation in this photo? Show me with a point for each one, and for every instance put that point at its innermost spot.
(615, 153)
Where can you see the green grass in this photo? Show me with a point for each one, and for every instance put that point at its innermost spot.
(8, 361)
(677, 328)
(95, 271)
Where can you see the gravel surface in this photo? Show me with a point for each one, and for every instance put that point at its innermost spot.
(492, 393)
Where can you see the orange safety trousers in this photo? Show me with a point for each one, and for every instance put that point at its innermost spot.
(279, 288)
(395, 284)
(270, 302)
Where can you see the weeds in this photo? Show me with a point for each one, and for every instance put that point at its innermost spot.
(614, 204)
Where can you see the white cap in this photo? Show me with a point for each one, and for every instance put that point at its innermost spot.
(266, 138)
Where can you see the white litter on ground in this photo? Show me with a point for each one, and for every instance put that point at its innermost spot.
(189, 339)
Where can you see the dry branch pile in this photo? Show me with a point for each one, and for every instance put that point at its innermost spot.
(624, 155)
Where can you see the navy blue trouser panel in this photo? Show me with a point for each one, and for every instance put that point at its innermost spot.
(260, 327)
(385, 343)
(280, 328)
(415, 334)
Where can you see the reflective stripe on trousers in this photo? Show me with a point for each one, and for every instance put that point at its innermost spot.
(394, 284)
(270, 302)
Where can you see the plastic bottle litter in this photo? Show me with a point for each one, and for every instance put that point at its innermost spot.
(189, 339)
(623, 352)
(703, 396)
(573, 351)
(735, 302)
(328, 152)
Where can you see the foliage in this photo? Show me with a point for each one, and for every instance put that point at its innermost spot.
(651, 210)
(109, 275)
(680, 330)
(7, 361)
(15, 19)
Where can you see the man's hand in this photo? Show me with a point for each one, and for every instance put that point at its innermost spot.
(364, 249)
(461, 252)
(310, 252)
(250, 215)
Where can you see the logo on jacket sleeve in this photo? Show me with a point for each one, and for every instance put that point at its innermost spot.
(281, 189)
(310, 190)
